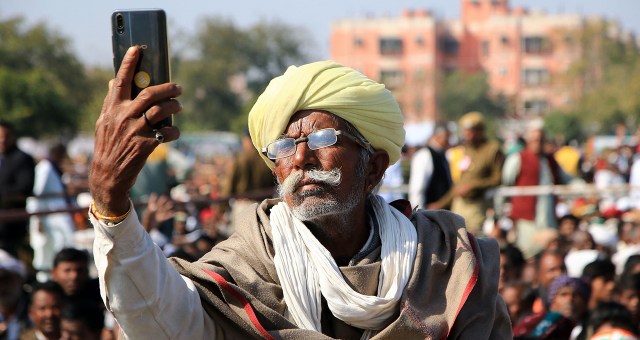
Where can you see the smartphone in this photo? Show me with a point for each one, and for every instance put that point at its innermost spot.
(146, 28)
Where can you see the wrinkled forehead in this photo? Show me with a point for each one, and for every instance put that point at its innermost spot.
(307, 121)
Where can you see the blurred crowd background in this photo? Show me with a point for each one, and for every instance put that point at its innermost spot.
(188, 203)
(557, 186)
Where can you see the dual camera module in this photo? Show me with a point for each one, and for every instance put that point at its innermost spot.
(120, 23)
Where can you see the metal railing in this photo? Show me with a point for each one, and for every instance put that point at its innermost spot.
(564, 191)
(9, 215)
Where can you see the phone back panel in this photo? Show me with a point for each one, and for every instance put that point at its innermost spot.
(147, 29)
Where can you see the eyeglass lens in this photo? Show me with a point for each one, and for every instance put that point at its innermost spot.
(286, 147)
(322, 138)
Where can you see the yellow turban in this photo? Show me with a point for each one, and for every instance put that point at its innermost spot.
(328, 86)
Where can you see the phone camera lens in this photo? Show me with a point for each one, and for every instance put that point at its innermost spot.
(120, 23)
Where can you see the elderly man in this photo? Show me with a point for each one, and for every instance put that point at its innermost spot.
(328, 259)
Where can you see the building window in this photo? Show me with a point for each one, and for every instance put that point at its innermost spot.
(484, 48)
(358, 42)
(448, 45)
(391, 78)
(535, 107)
(504, 39)
(390, 46)
(419, 41)
(535, 76)
(535, 45)
(449, 69)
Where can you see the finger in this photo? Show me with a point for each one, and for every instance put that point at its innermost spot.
(163, 110)
(165, 200)
(169, 207)
(170, 133)
(152, 95)
(162, 200)
(169, 204)
(124, 77)
(153, 199)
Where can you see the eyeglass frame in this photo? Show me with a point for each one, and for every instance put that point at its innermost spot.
(360, 141)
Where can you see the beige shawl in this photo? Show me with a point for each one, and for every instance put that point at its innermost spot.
(452, 291)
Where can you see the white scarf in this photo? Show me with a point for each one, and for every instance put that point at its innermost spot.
(307, 270)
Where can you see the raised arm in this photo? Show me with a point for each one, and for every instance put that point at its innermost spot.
(124, 138)
(138, 285)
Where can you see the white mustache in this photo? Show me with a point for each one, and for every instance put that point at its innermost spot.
(332, 177)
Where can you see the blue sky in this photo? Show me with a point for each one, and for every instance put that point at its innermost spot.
(86, 23)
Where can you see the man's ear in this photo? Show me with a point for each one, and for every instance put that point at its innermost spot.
(378, 164)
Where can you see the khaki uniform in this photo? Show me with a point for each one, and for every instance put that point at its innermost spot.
(248, 175)
(481, 168)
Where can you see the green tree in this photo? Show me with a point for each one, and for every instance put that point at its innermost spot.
(209, 102)
(97, 78)
(36, 106)
(606, 79)
(462, 92)
(227, 66)
(565, 125)
(43, 88)
(46, 91)
(273, 47)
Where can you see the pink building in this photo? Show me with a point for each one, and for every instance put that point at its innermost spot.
(523, 53)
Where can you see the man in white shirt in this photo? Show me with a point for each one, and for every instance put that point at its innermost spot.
(634, 179)
(430, 176)
(50, 233)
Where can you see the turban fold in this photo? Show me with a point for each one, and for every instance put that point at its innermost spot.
(328, 86)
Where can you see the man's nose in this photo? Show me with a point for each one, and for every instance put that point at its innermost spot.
(304, 157)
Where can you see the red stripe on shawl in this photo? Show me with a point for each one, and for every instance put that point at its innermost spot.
(472, 282)
(246, 306)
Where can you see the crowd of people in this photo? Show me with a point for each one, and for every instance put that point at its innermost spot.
(568, 261)
(65, 306)
(569, 264)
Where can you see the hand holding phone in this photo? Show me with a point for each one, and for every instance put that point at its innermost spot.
(123, 141)
(147, 29)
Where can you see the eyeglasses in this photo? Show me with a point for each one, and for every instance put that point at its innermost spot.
(285, 147)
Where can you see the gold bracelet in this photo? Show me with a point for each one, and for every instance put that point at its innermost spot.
(109, 219)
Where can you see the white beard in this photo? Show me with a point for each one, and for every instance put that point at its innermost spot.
(321, 202)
